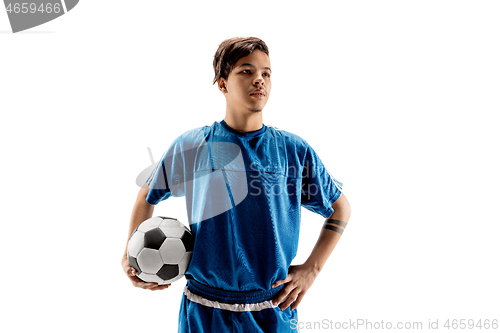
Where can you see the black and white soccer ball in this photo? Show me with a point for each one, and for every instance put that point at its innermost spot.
(160, 250)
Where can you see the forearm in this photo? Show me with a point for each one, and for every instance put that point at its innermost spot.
(324, 247)
(142, 211)
(330, 235)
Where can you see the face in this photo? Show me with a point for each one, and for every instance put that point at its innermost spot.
(248, 86)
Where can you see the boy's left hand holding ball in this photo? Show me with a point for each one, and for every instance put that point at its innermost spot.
(130, 271)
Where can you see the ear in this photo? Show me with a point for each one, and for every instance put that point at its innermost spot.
(221, 83)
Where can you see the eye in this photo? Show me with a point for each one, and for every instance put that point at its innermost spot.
(247, 71)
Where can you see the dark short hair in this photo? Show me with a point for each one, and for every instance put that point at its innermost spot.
(233, 49)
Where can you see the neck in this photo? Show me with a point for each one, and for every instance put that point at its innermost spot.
(244, 123)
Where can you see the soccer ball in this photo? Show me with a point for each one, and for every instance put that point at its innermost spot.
(160, 250)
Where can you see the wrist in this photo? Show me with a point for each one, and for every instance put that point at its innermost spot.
(313, 267)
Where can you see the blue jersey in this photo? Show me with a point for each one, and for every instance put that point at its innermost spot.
(244, 192)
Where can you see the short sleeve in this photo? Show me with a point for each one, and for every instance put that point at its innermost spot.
(319, 189)
(167, 179)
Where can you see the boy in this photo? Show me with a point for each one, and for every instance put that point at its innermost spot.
(244, 184)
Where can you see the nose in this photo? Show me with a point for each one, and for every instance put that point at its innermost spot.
(258, 80)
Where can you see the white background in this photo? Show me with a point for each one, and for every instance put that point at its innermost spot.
(399, 99)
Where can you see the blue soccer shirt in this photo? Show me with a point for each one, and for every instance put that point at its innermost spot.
(243, 196)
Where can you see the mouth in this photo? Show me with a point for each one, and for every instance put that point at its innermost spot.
(259, 94)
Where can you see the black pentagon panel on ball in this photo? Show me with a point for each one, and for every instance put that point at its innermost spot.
(154, 238)
(168, 272)
(133, 263)
(188, 240)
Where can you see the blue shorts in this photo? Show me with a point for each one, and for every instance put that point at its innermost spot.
(209, 310)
